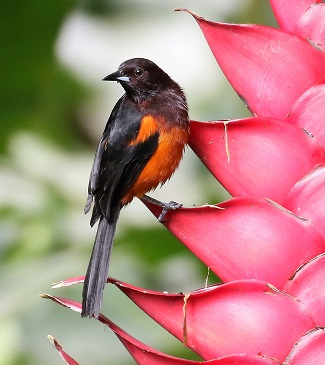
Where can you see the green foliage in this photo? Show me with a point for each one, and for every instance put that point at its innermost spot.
(36, 92)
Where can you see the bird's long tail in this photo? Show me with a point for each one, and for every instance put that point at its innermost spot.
(96, 276)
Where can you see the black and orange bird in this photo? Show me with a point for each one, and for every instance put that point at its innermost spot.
(141, 146)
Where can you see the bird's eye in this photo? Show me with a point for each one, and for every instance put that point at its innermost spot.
(138, 72)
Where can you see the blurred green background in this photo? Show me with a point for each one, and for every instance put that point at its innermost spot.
(53, 110)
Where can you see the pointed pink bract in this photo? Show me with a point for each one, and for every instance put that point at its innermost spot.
(308, 286)
(312, 25)
(307, 199)
(68, 282)
(67, 358)
(246, 239)
(256, 156)
(65, 302)
(309, 350)
(145, 355)
(308, 112)
(218, 318)
(288, 12)
(254, 58)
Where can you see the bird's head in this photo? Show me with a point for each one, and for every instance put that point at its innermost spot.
(140, 78)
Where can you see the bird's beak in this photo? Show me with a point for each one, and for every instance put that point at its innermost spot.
(117, 76)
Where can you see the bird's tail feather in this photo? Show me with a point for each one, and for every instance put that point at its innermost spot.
(96, 276)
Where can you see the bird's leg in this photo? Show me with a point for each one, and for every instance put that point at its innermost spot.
(166, 206)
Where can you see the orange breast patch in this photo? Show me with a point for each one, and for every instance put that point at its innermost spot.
(162, 163)
(148, 128)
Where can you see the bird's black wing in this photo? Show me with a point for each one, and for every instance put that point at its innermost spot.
(99, 158)
(117, 164)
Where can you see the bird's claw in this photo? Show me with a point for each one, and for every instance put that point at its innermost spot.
(166, 207)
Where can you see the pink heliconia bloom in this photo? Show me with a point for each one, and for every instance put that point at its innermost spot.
(267, 243)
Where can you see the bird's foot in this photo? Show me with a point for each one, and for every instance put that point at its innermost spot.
(165, 206)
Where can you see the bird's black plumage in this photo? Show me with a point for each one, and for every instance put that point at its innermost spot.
(124, 165)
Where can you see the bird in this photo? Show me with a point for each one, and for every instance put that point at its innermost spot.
(141, 147)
